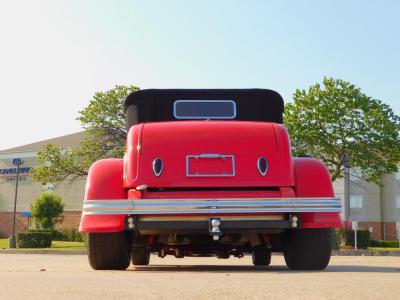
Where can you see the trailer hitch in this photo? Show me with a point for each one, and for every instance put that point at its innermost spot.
(214, 228)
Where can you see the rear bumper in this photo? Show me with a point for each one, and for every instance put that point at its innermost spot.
(230, 206)
(154, 216)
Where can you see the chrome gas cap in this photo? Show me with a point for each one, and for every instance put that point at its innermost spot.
(157, 166)
(262, 165)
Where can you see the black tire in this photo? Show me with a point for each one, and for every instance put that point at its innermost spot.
(109, 251)
(261, 256)
(140, 256)
(308, 249)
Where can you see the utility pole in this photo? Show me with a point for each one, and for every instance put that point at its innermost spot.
(12, 241)
(382, 208)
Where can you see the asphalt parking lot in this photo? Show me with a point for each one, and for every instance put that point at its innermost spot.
(50, 276)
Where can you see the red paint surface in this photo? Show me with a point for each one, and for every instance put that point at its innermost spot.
(312, 179)
(173, 141)
(104, 181)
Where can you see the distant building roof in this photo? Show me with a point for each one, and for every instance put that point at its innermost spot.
(69, 140)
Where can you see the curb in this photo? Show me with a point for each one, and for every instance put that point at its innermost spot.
(58, 252)
(365, 253)
(83, 252)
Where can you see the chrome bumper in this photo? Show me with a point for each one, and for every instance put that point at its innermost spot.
(211, 206)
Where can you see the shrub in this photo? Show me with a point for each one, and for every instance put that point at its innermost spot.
(67, 235)
(363, 238)
(54, 233)
(346, 237)
(341, 236)
(47, 210)
(385, 244)
(34, 239)
(71, 235)
(334, 241)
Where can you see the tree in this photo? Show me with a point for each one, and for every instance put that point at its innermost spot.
(47, 210)
(104, 122)
(337, 119)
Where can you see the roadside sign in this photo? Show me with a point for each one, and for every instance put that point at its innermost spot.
(354, 225)
(17, 161)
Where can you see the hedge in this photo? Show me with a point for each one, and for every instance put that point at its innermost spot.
(34, 239)
(346, 237)
(385, 244)
(68, 235)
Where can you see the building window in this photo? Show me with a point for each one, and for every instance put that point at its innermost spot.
(355, 174)
(356, 202)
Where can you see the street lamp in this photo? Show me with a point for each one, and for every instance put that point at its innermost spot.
(12, 241)
(346, 164)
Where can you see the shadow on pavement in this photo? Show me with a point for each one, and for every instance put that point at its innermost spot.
(252, 269)
(362, 269)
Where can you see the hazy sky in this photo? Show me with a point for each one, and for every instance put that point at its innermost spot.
(55, 54)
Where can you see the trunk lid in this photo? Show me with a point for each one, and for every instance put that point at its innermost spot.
(208, 154)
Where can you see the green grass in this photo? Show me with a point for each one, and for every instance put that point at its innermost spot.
(62, 245)
(383, 249)
(55, 245)
(3, 243)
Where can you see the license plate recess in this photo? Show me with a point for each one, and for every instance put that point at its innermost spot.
(210, 165)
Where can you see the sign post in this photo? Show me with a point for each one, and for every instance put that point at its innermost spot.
(354, 225)
(12, 241)
(398, 231)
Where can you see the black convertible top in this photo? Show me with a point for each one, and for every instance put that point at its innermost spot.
(155, 105)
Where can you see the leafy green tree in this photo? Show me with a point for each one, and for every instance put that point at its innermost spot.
(336, 119)
(47, 210)
(104, 122)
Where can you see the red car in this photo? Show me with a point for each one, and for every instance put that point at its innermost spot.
(208, 173)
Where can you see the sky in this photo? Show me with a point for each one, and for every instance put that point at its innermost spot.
(54, 55)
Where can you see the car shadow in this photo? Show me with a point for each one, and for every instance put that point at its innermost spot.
(261, 269)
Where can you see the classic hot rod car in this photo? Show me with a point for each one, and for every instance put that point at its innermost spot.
(208, 172)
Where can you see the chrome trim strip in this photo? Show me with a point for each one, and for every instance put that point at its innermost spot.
(205, 117)
(211, 155)
(211, 206)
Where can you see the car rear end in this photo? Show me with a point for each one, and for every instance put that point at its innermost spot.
(219, 188)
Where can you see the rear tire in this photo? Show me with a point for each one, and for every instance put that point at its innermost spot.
(308, 249)
(140, 256)
(109, 251)
(261, 256)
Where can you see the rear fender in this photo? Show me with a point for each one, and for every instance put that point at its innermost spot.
(312, 179)
(104, 182)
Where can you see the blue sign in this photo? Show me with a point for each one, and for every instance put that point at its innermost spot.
(12, 171)
(26, 214)
(17, 161)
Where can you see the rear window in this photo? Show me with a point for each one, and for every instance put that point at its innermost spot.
(204, 109)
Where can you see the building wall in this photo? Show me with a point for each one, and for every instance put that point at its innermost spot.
(380, 208)
(70, 191)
